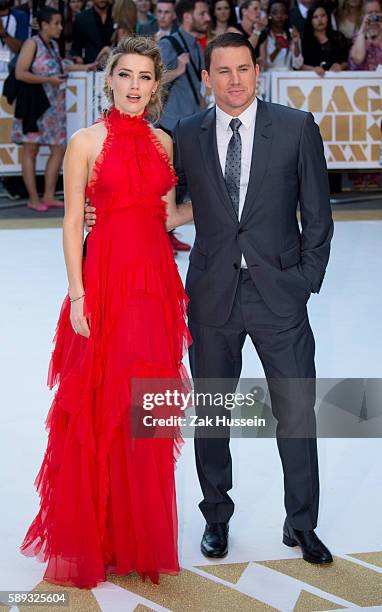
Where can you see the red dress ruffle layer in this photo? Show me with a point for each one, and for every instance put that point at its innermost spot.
(108, 502)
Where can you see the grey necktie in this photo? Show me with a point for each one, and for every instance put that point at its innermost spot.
(233, 165)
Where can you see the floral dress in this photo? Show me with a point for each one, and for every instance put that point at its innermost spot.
(52, 124)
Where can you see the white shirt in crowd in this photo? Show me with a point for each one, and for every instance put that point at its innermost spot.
(285, 59)
(247, 133)
(9, 22)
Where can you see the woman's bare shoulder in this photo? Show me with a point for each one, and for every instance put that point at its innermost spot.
(164, 139)
(86, 139)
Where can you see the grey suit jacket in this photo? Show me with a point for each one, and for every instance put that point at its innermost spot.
(288, 169)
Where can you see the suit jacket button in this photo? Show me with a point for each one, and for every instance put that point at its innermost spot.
(236, 266)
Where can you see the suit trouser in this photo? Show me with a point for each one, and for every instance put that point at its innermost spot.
(286, 347)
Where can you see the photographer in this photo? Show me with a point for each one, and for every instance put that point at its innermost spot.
(40, 112)
(13, 31)
(366, 52)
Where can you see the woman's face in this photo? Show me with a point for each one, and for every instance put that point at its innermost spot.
(279, 15)
(133, 83)
(76, 6)
(222, 11)
(253, 11)
(52, 29)
(320, 20)
(143, 6)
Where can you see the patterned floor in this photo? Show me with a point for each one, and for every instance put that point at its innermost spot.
(260, 573)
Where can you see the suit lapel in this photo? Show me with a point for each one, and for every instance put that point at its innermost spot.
(261, 150)
(207, 137)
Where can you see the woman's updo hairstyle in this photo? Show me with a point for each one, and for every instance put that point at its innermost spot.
(137, 45)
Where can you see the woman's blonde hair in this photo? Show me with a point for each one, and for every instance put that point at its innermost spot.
(137, 45)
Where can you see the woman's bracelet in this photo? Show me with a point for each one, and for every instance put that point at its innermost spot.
(76, 299)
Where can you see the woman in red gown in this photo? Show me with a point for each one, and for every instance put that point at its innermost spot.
(108, 500)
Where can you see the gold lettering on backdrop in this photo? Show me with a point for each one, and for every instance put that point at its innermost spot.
(5, 107)
(336, 153)
(367, 103)
(339, 102)
(359, 127)
(342, 127)
(5, 156)
(359, 152)
(348, 115)
(297, 98)
(73, 107)
(5, 130)
(326, 128)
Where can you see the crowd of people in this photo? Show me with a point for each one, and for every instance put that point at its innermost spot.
(64, 35)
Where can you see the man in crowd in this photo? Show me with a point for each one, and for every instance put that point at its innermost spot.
(298, 14)
(92, 31)
(165, 23)
(183, 58)
(13, 31)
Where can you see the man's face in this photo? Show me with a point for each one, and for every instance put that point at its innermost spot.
(165, 15)
(101, 4)
(200, 18)
(232, 78)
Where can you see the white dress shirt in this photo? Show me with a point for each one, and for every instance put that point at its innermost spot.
(303, 9)
(247, 133)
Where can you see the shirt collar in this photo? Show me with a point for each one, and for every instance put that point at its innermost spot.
(303, 10)
(247, 117)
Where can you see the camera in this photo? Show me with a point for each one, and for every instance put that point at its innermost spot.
(375, 19)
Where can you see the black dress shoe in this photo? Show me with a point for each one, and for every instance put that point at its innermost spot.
(215, 540)
(313, 550)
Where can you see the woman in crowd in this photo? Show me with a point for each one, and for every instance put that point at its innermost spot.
(73, 8)
(223, 18)
(282, 49)
(349, 18)
(251, 25)
(366, 52)
(145, 14)
(107, 486)
(125, 18)
(39, 62)
(322, 47)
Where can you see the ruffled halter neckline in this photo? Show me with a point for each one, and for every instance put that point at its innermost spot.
(123, 122)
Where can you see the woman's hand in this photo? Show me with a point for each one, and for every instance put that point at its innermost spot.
(319, 70)
(91, 67)
(295, 34)
(79, 322)
(336, 67)
(56, 79)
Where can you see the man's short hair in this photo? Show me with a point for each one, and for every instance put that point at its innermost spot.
(228, 40)
(185, 6)
(166, 2)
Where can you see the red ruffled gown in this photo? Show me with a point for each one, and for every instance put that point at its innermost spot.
(108, 502)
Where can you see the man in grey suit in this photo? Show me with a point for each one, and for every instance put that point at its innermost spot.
(248, 165)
